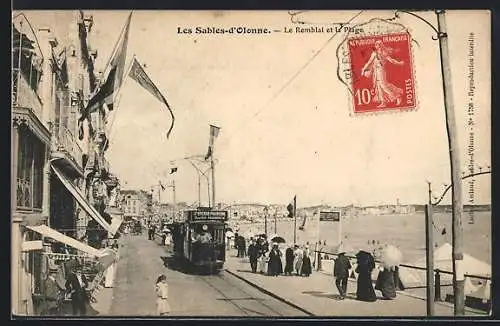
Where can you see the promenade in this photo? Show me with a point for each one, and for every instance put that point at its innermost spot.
(318, 296)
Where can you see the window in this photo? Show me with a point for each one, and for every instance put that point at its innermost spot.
(34, 263)
(31, 157)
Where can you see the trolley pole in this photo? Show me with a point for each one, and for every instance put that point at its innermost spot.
(456, 191)
(212, 167)
(429, 255)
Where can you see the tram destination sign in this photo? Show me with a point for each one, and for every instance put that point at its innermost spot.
(207, 215)
(333, 216)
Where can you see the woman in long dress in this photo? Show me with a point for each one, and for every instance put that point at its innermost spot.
(109, 278)
(289, 261)
(275, 266)
(299, 259)
(306, 263)
(375, 68)
(365, 266)
(161, 290)
(385, 283)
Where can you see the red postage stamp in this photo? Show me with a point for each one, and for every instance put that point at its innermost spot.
(382, 73)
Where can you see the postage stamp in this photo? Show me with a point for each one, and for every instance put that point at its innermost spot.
(384, 66)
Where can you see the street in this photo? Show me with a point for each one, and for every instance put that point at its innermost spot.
(142, 261)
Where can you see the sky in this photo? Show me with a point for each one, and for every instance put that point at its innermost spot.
(285, 118)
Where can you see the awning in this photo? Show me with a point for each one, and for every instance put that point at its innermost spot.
(89, 209)
(53, 234)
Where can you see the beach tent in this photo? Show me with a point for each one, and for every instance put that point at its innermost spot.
(443, 262)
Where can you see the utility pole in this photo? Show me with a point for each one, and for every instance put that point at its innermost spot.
(429, 255)
(199, 182)
(294, 220)
(199, 189)
(456, 191)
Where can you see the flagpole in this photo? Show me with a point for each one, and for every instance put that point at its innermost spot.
(108, 132)
(212, 167)
(116, 45)
(19, 59)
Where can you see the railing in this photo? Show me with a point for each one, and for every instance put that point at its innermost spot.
(24, 96)
(66, 142)
(442, 290)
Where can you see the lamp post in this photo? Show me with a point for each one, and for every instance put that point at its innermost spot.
(457, 206)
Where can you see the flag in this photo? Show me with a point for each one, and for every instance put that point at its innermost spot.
(138, 74)
(443, 232)
(173, 170)
(108, 90)
(291, 207)
(162, 186)
(214, 133)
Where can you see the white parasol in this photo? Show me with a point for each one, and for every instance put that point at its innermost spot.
(390, 256)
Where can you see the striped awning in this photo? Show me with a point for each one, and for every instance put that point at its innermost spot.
(48, 232)
(89, 209)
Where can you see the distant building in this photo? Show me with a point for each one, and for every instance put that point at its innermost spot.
(136, 203)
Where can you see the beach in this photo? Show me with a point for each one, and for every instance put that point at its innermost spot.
(404, 231)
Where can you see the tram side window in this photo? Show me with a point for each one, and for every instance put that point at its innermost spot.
(219, 236)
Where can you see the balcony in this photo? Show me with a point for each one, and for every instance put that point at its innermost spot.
(67, 150)
(24, 96)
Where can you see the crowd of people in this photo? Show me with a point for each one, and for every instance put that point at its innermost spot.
(267, 258)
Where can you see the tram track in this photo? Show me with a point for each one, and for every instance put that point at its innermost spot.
(249, 304)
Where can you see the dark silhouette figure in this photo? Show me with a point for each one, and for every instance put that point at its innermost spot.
(341, 274)
(366, 264)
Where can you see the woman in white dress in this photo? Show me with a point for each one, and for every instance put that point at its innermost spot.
(161, 290)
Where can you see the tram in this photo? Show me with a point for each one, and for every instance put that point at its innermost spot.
(199, 240)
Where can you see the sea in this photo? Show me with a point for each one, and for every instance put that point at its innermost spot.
(364, 232)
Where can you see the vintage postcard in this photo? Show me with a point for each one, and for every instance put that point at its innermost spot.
(251, 163)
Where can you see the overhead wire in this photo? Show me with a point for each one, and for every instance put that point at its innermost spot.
(286, 84)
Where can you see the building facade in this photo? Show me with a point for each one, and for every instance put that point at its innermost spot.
(60, 178)
(136, 204)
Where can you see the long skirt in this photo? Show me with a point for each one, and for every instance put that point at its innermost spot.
(365, 291)
(289, 266)
(306, 266)
(162, 306)
(298, 264)
(110, 276)
(263, 264)
(385, 284)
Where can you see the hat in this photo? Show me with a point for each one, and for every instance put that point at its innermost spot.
(204, 227)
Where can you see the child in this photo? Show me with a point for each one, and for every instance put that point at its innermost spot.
(161, 289)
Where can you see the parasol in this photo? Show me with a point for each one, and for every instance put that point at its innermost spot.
(229, 234)
(277, 239)
(390, 256)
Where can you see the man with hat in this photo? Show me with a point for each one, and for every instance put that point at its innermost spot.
(341, 272)
(51, 294)
(76, 285)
